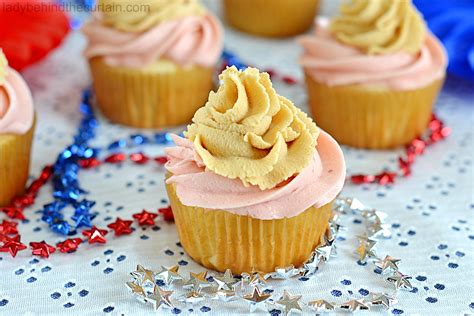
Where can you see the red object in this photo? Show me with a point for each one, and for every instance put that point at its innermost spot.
(89, 163)
(139, 158)
(145, 218)
(46, 173)
(361, 178)
(96, 235)
(115, 158)
(30, 29)
(405, 166)
(289, 80)
(24, 200)
(121, 227)
(69, 245)
(167, 213)
(8, 228)
(386, 178)
(161, 160)
(12, 245)
(13, 212)
(42, 249)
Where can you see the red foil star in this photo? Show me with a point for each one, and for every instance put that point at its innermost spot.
(13, 212)
(12, 245)
(8, 228)
(121, 227)
(161, 160)
(167, 213)
(115, 158)
(145, 218)
(42, 249)
(139, 158)
(24, 200)
(69, 245)
(96, 235)
(89, 163)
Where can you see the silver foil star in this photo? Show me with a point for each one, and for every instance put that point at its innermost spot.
(283, 273)
(192, 297)
(400, 281)
(160, 298)
(144, 276)
(225, 295)
(355, 305)
(289, 302)
(321, 306)
(311, 266)
(169, 275)
(383, 299)
(197, 280)
(344, 205)
(256, 298)
(379, 230)
(388, 264)
(365, 250)
(226, 281)
(137, 290)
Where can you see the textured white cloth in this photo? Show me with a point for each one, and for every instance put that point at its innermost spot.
(431, 212)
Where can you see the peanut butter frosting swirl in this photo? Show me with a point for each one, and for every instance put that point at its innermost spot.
(247, 131)
(3, 67)
(141, 15)
(380, 26)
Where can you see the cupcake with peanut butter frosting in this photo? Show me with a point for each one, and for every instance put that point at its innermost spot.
(16, 132)
(153, 66)
(373, 73)
(252, 182)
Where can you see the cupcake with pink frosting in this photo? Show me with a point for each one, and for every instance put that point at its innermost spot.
(16, 132)
(153, 66)
(252, 182)
(373, 73)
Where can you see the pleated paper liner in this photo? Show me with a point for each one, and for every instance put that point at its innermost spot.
(220, 240)
(152, 97)
(14, 164)
(273, 18)
(373, 118)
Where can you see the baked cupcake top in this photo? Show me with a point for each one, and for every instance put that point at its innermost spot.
(181, 31)
(16, 102)
(252, 152)
(382, 43)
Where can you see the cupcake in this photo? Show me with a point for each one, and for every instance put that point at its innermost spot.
(275, 18)
(373, 73)
(252, 183)
(152, 67)
(16, 132)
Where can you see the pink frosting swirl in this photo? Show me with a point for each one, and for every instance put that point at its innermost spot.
(16, 105)
(318, 184)
(186, 41)
(330, 62)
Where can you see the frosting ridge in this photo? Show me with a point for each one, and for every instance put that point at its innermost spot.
(3, 67)
(148, 13)
(247, 131)
(380, 27)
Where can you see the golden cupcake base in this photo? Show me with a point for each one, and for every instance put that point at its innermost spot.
(152, 97)
(272, 18)
(14, 164)
(370, 117)
(220, 240)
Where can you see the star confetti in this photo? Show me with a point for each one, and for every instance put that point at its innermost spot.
(42, 249)
(169, 275)
(388, 264)
(193, 297)
(382, 299)
(12, 245)
(400, 281)
(167, 214)
(69, 245)
(121, 227)
(289, 302)
(197, 280)
(145, 218)
(160, 298)
(321, 306)
(137, 290)
(256, 298)
(96, 235)
(283, 273)
(355, 305)
(8, 228)
(226, 281)
(144, 276)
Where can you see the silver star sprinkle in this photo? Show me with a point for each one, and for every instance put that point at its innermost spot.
(382, 299)
(379, 230)
(144, 276)
(197, 280)
(311, 266)
(169, 275)
(192, 297)
(226, 281)
(388, 264)
(256, 298)
(225, 295)
(283, 273)
(354, 305)
(160, 298)
(321, 306)
(365, 250)
(136, 290)
(289, 302)
(400, 281)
